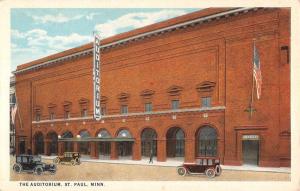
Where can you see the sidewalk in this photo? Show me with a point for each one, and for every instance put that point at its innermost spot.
(175, 163)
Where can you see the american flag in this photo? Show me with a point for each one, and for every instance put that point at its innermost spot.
(257, 72)
(13, 113)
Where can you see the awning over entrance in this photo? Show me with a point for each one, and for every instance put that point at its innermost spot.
(95, 139)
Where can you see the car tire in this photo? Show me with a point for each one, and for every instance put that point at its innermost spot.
(218, 170)
(77, 161)
(17, 168)
(56, 160)
(73, 162)
(181, 171)
(210, 172)
(38, 170)
(53, 169)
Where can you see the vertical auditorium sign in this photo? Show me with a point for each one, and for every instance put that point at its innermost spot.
(96, 72)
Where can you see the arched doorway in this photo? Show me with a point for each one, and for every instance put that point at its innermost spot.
(39, 143)
(68, 145)
(175, 142)
(53, 144)
(104, 146)
(124, 147)
(149, 142)
(84, 146)
(206, 143)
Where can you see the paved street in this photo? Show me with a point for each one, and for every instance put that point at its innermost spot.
(102, 171)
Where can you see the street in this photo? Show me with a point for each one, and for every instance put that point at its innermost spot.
(91, 171)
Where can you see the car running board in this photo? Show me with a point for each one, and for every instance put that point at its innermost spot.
(196, 173)
(27, 171)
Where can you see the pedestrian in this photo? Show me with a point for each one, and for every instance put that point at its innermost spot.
(151, 156)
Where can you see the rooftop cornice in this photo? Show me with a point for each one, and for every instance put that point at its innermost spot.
(190, 23)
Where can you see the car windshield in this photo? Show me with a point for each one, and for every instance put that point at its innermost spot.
(36, 159)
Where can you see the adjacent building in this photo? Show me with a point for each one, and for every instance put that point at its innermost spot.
(12, 103)
(180, 88)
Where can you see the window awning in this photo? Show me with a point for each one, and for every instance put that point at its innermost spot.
(96, 139)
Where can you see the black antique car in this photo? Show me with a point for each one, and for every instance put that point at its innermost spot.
(68, 157)
(203, 165)
(31, 163)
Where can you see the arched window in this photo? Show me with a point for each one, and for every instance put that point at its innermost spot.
(103, 134)
(67, 134)
(207, 141)
(124, 134)
(175, 142)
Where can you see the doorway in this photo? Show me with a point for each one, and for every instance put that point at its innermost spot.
(22, 147)
(250, 152)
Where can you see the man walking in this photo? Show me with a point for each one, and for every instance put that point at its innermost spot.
(151, 156)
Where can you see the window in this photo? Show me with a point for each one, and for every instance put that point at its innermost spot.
(24, 159)
(124, 109)
(207, 141)
(175, 104)
(148, 107)
(37, 117)
(206, 102)
(67, 114)
(84, 113)
(51, 116)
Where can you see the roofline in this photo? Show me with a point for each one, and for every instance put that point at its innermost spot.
(185, 24)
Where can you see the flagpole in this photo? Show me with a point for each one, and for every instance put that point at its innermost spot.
(252, 91)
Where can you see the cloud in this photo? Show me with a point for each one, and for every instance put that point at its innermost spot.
(37, 43)
(135, 20)
(58, 18)
(39, 38)
(91, 16)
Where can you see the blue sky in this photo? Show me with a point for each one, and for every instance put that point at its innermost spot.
(36, 33)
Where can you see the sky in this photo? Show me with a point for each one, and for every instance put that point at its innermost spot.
(36, 33)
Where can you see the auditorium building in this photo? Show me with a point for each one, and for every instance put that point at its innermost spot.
(180, 88)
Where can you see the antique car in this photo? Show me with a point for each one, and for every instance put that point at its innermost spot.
(32, 163)
(68, 157)
(203, 165)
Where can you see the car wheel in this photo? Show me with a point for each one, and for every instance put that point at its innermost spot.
(17, 168)
(53, 169)
(210, 172)
(38, 170)
(218, 170)
(73, 162)
(77, 161)
(181, 171)
(56, 160)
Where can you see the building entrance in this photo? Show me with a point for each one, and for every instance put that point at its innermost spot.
(104, 150)
(250, 146)
(124, 149)
(149, 142)
(22, 147)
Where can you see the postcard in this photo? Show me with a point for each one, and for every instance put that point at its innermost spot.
(152, 96)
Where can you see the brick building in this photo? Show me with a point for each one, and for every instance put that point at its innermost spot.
(180, 88)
